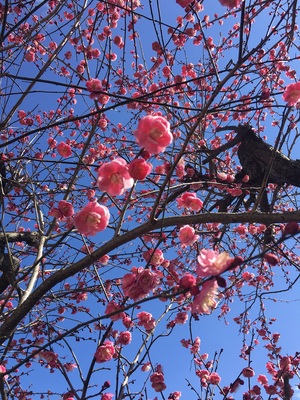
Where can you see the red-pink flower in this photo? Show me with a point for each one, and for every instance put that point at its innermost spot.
(64, 149)
(214, 378)
(190, 201)
(248, 372)
(66, 208)
(155, 257)
(292, 94)
(153, 133)
(114, 177)
(139, 169)
(146, 320)
(187, 236)
(157, 381)
(93, 218)
(124, 338)
(212, 263)
(105, 352)
(107, 396)
(113, 307)
(138, 284)
(230, 3)
(183, 3)
(205, 301)
(187, 281)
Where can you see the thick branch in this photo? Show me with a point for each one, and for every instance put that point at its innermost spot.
(22, 310)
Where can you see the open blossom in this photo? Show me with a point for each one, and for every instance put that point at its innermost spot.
(190, 201)
(107, 396)
(155, 257)
(139, 283)
(105, 352)
(124, 338)
(292, 94)
(139, 169)
(157, 380)
(205, 301)
(66, 208)
(187, 236)
(114, 177)
(230, 3)
(113, 307)
(210, 262)
(64, 149)
(183, 3)
(153, 133)
(93, 218)
(146, 320)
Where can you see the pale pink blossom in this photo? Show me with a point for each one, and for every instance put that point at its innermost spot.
(64, 149)
(114, 177)
(205, 301)
(139, 169)
(212, 263)
(187, 236)
(189, 201)
(146, 367)
(153, 133)
(2, 369)
(292, 94)
(93, 218)
(230, 3)
(105, 352)
(66, 208)
(124, 338)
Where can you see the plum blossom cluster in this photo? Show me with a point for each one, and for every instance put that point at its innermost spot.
(146, 320)
(292, 94)
(139, 283)
(157, 379)
(63, 211)
(97, 92)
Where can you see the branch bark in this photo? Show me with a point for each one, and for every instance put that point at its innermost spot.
(225, 218)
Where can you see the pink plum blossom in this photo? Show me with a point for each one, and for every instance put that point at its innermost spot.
(114, 177)
(124, 338)
(157, 381)
(189, 201)
(93, 218)
(66, 208)
(187, 281)
(113, 307)
(139, 169)
(107, 396)
(183, 3)
(105, 352)
(187, 236)
(153, 133)
(155, 257)
(292, 94)
(212, 263)
(205, 301)
(230, 3)
(139, 283)
(64, 149)
(146, 320)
